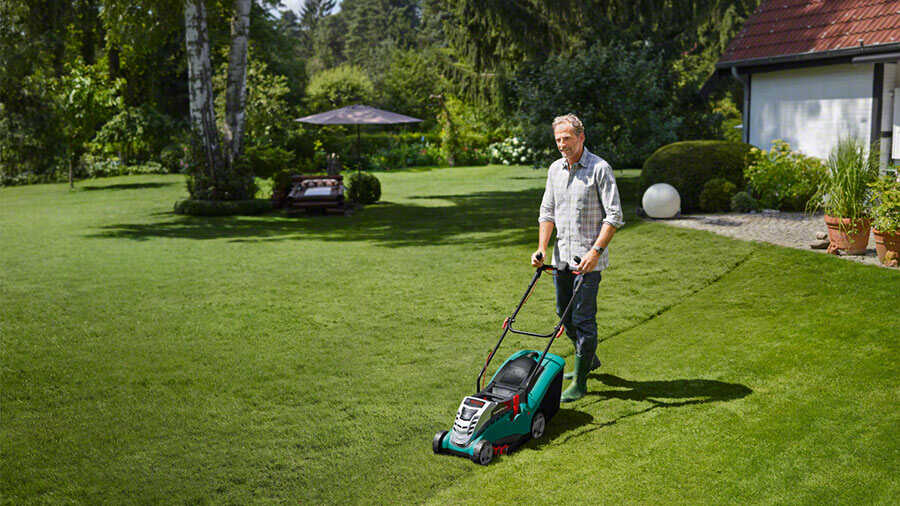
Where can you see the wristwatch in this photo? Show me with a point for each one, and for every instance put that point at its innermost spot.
(598, 249)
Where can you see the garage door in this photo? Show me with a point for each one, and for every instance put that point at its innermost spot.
(811, 108)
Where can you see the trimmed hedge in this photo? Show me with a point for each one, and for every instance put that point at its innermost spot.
(373, 141)
(688, 165)
(222, 207)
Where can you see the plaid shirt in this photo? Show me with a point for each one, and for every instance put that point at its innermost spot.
(578, 201)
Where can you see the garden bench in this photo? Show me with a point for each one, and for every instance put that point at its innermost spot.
(317, 192)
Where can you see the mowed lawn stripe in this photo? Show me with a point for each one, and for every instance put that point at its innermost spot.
(150, 357)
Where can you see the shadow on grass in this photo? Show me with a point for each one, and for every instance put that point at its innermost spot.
(491, 219)
(565, 421)
(660, 394)
(128, 186)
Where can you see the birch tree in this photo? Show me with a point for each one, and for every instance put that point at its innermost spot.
(217, 177)
(236, 97)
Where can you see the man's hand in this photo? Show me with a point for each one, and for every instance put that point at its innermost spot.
(588, 262)
(537, 258)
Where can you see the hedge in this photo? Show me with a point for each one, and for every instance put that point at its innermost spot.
(688, 165)
(222, 207)
(371, 142)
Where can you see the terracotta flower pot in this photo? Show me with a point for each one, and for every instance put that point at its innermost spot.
(852, 238)
(887, 245)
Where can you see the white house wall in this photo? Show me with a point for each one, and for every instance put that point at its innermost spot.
(811, 108)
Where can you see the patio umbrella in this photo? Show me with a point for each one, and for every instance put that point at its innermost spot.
(357, 115)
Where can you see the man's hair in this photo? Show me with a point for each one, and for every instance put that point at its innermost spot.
(570, 119)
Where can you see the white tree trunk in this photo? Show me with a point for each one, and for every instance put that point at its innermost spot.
(236, 94)
(203, 115)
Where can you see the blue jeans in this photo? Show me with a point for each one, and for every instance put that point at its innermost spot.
(581, 322)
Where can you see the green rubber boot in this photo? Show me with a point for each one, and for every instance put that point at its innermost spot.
(594, 365)
(578, 388)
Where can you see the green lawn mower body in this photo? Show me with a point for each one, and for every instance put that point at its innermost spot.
(506, 413)
(521, 398)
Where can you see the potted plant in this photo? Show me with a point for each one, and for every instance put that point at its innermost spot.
(844, 195)
(886, 217)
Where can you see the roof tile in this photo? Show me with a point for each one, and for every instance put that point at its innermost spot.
(785, 27)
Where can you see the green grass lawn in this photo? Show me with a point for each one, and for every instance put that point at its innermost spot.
(155, 358)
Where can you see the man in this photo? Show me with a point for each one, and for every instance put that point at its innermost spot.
(581, 201)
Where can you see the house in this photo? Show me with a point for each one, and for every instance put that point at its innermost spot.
(816, 71)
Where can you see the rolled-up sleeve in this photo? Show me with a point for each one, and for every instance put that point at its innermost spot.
(609, 197)
(547, 203)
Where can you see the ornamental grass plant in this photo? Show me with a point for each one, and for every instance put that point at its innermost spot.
(844, 192)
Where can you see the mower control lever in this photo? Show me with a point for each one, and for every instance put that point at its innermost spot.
(540, 256)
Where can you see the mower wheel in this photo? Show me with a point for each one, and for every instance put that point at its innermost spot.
(483, 452)
(436, 442)
(538, 425)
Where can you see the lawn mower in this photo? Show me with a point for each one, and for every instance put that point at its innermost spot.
(518, 402)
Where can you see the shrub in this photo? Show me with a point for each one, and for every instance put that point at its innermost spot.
(511, 151)
(716, 195)
(174, 157)
(134, 134)
(886, 208)
(417, 148)
(264, 161)
(281, 181)
(264, 188)
(688, 165)
(93, 166)
(33, 147)
(145, 168)
(781, 178)
(222, 207)
(364, 188)
(472, 156)
(233, 183)
(99, 166)
(743, 202)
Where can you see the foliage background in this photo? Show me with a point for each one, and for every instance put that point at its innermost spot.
(108, 77)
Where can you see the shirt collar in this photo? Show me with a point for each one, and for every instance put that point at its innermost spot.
(581, 161)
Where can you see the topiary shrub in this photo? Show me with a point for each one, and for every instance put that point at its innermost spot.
(688, 165)
(222, 207)
(364, 188)
(716, 195)
(743, 202)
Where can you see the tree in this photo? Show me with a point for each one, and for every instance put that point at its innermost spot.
(237, 81)
(338, 87)
(216, 177)
(85, 101)
(328, 43)
(375, 28)
(312, 13)
(625, 109)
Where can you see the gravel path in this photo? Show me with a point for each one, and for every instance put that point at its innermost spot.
(794, 230)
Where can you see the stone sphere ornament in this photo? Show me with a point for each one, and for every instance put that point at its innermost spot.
(661, 201)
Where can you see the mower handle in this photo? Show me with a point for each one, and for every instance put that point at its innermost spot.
(540, 256)
(557, 331)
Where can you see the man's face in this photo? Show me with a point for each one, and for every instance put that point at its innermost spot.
(567, 142)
